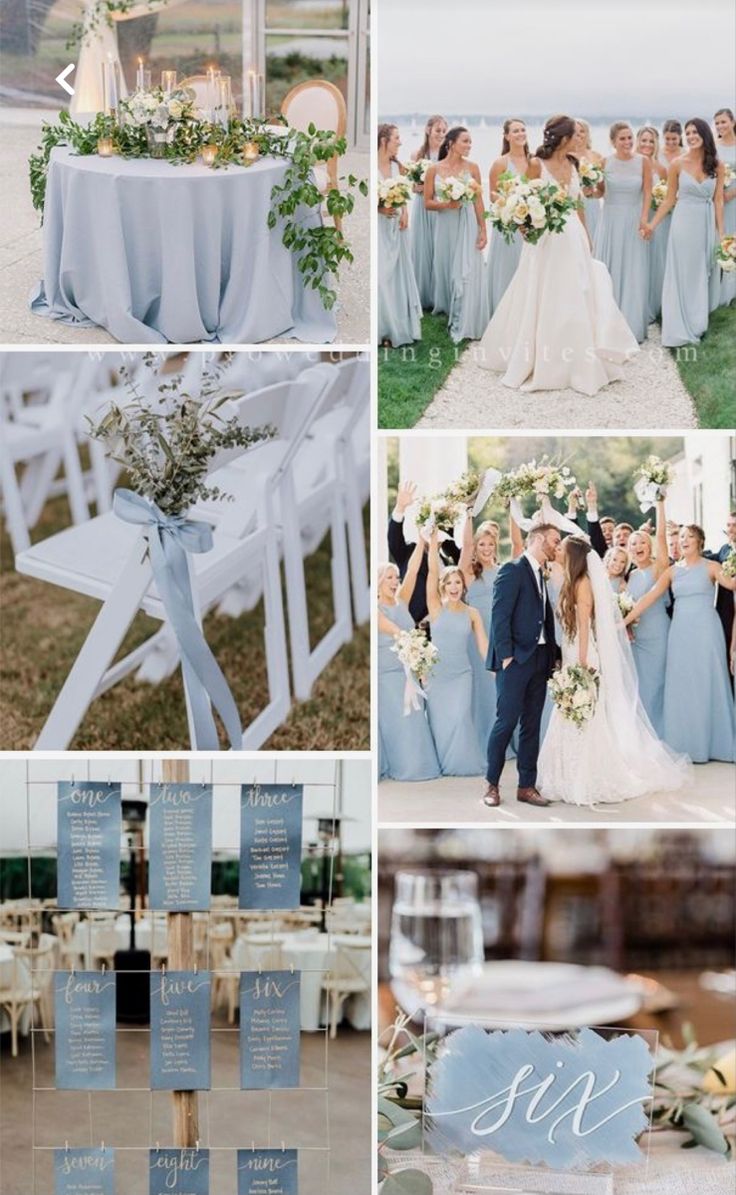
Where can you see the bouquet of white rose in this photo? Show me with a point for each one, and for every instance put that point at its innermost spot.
(465, 489)
(545, 479)
(625, 603)
(591, 173)
(457, 190)
(659, 193)
(530, 206)
(416, 171)
(729, 175)
(394, 192)
(416, 652)
(439, 514)
(729, 564)
(574, 690)
(726, 254)
(160, 111)
(653, 478)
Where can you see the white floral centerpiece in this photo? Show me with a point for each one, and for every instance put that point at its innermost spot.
(457, 190)
(394, 192)
(416, 172)
(159, 114)
(574, 690)
(530, 206)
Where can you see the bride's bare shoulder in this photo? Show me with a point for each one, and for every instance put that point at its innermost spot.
(584, 592)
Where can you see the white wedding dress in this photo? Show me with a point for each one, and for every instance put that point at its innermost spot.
(615, 755)
(558, 326)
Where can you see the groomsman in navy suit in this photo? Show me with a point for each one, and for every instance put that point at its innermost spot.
(400, 551)
(522, 652)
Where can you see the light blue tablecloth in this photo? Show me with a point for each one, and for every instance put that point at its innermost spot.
(155, 252)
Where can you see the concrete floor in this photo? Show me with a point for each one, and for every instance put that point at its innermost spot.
(457, 801)
(21, 249)
(228, 1119)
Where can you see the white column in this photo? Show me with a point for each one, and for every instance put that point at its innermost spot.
(432, 461)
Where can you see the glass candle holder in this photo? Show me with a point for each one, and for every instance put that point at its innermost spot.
(168, 81)
(209, 153)
(105, 147)
(142, 77)
(250, 152)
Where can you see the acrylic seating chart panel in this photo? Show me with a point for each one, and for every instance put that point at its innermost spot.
(181, 1052)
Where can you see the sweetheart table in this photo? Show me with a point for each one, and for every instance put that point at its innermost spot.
(156, 253)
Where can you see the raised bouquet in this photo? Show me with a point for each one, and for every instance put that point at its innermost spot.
(625, 603)
(659, 193)
(158, 110)
(543, 479)
(394, 192)
(416, 172)
(591, 173)
(457, 190)
(464, 491)
(574, 690)
(726, 254)
(530, 206)
(416, 653)
(729, 564)
(652, 481)
(439, 514)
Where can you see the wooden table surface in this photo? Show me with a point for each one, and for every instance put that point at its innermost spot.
(712, 1016)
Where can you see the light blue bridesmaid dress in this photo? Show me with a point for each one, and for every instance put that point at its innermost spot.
(592, 209)
(421, 228)
(699, 718)
(657, 259)
(649, 648)
(460, 290)
(450, 696)
(686, 301)
(405, 747)
(727, 290)
(502, 260)
(399, 308)
(618, 243)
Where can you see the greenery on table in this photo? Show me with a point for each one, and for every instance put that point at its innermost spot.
(319, 249)
(399, 1113)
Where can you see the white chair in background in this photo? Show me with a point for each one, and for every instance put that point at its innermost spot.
(42, 963)
(349, 976)
(106, 558)
(320, 103)
(17, 996)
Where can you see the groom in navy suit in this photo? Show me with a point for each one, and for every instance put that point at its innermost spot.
(522, 652)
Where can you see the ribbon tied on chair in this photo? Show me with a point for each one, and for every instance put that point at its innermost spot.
(170, 538)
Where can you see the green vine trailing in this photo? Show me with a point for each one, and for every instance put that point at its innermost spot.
(103, 11)
(319, 249)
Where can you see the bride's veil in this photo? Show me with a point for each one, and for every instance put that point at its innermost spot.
(619, 687)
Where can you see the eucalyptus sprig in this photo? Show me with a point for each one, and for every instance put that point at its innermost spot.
(399, 1113)
(319, 250)
(166, 443)
(693, 1095)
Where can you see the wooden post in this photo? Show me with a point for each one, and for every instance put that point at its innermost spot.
(180, 943)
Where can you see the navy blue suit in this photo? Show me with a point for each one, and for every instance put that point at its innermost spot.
(517, 620)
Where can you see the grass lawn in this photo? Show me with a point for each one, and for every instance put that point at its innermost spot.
(43, 628)
(709, 377)
(409, 377)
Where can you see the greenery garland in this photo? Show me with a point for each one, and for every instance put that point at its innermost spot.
(319, 250)
(103, 10)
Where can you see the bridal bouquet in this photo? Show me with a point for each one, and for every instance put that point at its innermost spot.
(591, 173)
(659, 193)
(729, 175)
(574, 690)
(394, 192)
(439, 514)
(530, 206)
(457, 190)
(545, 479)
(416, 653)
(726, 254)
(465, 490)
(729, 564)
(625, 603)
(653, 478)
(416, 171)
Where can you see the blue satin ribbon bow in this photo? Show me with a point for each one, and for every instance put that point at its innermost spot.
(169, 538)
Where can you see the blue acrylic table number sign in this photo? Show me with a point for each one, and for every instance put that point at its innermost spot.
(271, 818)
(89, 829)
(180, 1030)
(179, 1172)
(517, 1103)
(84, 1172)
(180, 847)
(268, 1172)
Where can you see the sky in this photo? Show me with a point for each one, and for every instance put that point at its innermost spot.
(654, 58)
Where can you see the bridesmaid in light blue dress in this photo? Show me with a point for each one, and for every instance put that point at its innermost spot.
(454, 626)
(459, 240)
(651, 633)
(616, 561)
(479, 566)
(405, 746)
(503, 258)
(695, 191)
(647, 144)
(698, 718)
(422, 222)
(627, 190)
(399, 309)
(591, 198)
(724, 122)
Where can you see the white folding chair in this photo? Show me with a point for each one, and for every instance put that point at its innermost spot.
(349, 976)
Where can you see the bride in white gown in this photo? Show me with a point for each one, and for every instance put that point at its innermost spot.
(558, 325)
(615, 755)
